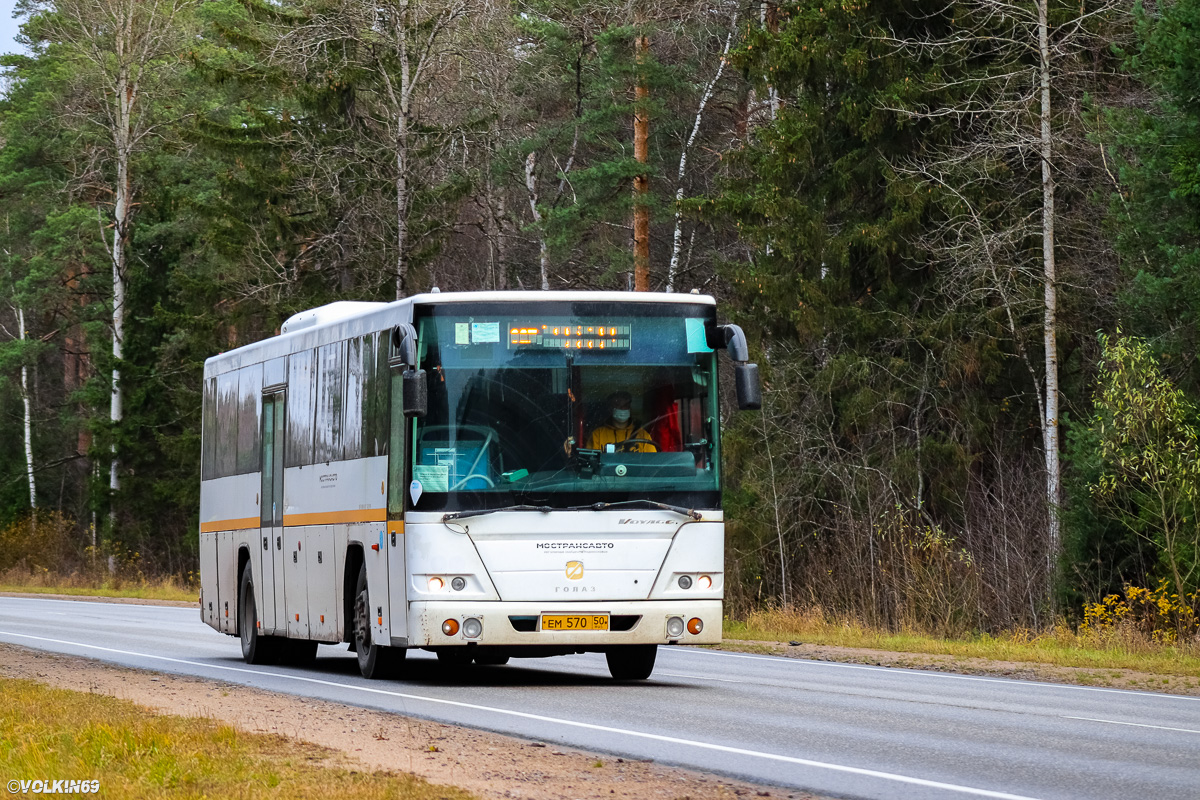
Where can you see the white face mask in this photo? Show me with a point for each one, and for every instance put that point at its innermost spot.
(620, 415)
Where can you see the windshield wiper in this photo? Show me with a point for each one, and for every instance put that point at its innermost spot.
(687, 512)
(481, 511)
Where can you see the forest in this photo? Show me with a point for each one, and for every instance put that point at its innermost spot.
(962, 236)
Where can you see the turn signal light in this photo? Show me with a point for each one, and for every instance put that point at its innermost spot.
(695, 625)
(450, 627)
(705, 582)
(436, 584)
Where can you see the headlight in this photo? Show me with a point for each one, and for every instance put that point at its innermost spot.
(472, 628)
(685, 581)
(675, 627)
(458, 584)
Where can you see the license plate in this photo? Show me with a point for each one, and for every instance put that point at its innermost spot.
(575, 622)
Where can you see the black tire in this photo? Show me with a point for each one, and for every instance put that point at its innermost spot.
(486, 659)
(256, 648)
(455, 657)
(374, 660)
(631, 662)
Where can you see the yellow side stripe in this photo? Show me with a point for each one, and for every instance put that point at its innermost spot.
(336, 517)
(291, 520)
(229, 524)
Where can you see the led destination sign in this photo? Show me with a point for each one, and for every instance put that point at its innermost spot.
(569, 337)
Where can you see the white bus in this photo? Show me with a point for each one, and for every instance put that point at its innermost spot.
(435, 473)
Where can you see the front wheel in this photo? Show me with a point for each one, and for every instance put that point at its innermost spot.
(374, 660)
(631, 662)
(256, 648)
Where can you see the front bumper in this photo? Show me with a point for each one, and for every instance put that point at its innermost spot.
(499, 628)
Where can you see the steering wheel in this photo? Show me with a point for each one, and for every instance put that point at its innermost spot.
(625, 445)
(490, 483)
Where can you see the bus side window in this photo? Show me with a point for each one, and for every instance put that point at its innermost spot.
(353, 429)
(208, 456)
(300, 408)
(374, 395)
(329, 402)
(249, 450)
(227, 424)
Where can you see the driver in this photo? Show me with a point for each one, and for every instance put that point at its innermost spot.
(620, 428)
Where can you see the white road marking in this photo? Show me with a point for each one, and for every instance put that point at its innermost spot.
(1134, 724)
(774, 659)
(803, 762)
(696, 677)
(930, 674)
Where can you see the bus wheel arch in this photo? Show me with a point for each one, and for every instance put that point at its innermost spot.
(374, 660)
(354, 563)
(256, 648)
(243, 565)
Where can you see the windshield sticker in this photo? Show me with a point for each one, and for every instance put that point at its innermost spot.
(696, 341)
(462, 333)
(414, 490)
(434, 477)
(485, 332)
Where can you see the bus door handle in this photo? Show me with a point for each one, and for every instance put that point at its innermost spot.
(278, 542)
(265, 545)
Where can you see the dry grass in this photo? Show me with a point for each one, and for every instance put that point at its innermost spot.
(1117, 648)
(38, 581)
(133, 753)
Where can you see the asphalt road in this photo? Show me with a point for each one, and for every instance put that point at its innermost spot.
(837, 729)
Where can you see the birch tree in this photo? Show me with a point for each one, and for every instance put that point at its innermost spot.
(124, 54)
(677, 239)
(1014, 73)
(396, 53)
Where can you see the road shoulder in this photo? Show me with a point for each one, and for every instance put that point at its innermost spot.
(1109, 678)
(491, 765)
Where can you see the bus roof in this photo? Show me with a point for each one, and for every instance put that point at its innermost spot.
(308, 329)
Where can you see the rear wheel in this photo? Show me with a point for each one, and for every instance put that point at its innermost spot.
(256, 648)
(374, 660)
(631, 662)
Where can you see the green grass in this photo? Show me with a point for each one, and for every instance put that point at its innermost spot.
(45, 582)
(1060, 646)
(56, 734)
(143, 592)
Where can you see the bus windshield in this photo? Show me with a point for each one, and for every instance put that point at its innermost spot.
(563, 404)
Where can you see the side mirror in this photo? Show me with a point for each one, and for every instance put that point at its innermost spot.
(404, 342)
(415, 402)
(749, 390)
(732, 339)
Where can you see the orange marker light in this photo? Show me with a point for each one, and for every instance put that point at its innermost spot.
(450, 627)
(695, 625)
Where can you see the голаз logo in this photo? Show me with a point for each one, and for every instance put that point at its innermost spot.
(574, 570)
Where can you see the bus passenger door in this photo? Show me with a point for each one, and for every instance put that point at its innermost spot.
(394, 540)
(271, 531)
